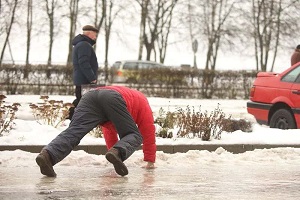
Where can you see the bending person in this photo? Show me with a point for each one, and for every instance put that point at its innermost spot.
(121, 112)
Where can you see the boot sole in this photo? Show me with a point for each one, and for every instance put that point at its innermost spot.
(119, 166)
(44, 167)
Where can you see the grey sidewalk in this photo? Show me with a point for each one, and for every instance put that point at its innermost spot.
(101, 149)
(265, 180)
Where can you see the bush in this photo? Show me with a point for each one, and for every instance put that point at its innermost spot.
(165, 120)
(7, 115)
(204, 125)
(189, 123)
(51, 112)
(234, 125)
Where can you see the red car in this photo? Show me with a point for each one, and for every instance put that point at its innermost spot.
(275, 98)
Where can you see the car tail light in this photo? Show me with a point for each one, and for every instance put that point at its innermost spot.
(252, 90)
(119, 73)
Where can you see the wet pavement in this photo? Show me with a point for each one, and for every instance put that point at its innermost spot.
(232, 180)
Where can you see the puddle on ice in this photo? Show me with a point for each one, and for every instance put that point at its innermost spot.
(207, 181)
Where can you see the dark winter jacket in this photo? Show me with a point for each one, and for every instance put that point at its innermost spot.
(295, 57)
(140, 110)
(85, 65)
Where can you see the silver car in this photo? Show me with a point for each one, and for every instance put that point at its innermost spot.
(121, 69)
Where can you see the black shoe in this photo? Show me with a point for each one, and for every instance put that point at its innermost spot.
(113, 157)
(44, 161)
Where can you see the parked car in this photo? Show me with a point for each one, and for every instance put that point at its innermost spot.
(275, 98)
(120, 69)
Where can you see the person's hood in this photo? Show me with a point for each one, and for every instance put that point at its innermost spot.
(80, 38)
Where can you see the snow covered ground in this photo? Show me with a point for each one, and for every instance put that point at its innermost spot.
(27, 131)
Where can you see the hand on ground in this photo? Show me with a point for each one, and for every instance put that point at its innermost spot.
(149, 165)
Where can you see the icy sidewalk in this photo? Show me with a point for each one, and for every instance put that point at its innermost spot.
(260, 174)
(213, 181)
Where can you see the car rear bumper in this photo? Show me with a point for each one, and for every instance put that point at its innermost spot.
(296, 112)
(257, 105)
(260, 111)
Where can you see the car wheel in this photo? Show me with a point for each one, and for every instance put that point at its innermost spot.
(282, 119)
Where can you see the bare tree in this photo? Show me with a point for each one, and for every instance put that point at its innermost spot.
(190, 23)
(267, 25)
(99, 16)
(51, 7)
(144, 14)
(187, 13)
(164, 28)
(215, 14)
(73, 15)
(111, 11)
(29, 30)
(107, 27)
(12, 7)
(151, 33)
(213, 22)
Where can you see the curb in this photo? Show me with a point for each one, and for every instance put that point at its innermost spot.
(101, 149)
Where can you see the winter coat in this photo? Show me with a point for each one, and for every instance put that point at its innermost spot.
(140, 110)
(295, 57)
(85, 64)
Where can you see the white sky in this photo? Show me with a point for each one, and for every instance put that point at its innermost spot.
(124, 46)
(27, 132)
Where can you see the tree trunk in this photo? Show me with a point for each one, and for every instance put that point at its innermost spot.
(12, 20)
(144, 14)
(98, 23)
(73, 19)
(29, 29)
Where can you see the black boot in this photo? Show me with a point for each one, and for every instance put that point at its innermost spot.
(46, 166)
(113, 157)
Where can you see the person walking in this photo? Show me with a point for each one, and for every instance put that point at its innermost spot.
(122, 112)
(296, 55)
(85, 64)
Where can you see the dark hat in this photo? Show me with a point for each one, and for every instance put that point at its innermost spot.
(90, 28)
(298, 47)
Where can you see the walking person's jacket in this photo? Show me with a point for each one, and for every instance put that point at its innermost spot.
(84, 60)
